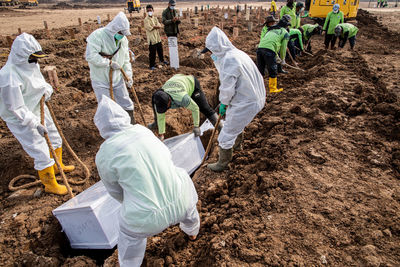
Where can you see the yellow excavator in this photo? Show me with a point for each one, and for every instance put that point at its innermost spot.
(133, 5)
(28, 2)
(8, 2)
(320, 8)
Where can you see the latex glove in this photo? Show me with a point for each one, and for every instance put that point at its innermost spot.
(162, 137)
(283, 62)
(222, 109)
(278, 60)
(196, 131)
(41, 129)
(129, 83)
(115, 66)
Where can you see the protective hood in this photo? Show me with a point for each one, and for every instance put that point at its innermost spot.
(110, 118)
(119, 23)
(23, 46)
(218, 43)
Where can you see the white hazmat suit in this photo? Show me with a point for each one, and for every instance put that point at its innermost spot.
(137, 170)
(102, 40)
(242, 87)
(22, 85)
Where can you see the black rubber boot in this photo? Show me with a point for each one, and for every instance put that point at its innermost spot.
(280, 70)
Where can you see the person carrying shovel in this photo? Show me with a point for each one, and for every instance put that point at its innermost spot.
(181, 91)
(107, 53)
(274, 42)
(242, 93)
(308, 31)
(137, 170)
(22, 86)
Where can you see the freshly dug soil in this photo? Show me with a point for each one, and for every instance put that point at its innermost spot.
(317, 181)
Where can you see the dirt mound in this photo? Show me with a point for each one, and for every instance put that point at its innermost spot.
(317, 181)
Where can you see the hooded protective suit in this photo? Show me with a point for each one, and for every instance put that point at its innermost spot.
(21, 87)
(242, 86)
(102, 40)
(137, 170)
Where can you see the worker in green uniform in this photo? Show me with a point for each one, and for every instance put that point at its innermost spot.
(332, 20)
(346, 31)
(295, 43)
(274, 42)
(308, 31)
(181, 91)
(269, 22)
(299, 8)
(289, 9)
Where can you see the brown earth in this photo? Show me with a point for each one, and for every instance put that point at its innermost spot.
(317, 182)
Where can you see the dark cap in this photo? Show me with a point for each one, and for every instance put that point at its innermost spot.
(205, 50)
(270, 19)
(39, 54)
(161, 100)
(172, 2)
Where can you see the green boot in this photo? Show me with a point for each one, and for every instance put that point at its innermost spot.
(225, 156)
(238, 142)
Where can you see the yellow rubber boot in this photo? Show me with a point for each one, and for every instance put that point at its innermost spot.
(48, 179)
(68, 168)
(273, 83)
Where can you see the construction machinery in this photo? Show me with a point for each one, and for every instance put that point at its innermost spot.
(320, 8)
(133, 5)
(8, 2)
(28, 2)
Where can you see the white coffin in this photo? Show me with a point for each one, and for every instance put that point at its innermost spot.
(90, 219)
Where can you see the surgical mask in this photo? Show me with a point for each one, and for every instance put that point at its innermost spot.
(172, 7)
(214, 57)
(336, 11)
(118, 36)
(150, 13)
(33, 60)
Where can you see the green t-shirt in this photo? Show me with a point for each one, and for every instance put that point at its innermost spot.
(180, 88)
(348, 28)
(296, 34)
(308, 29)
(275, 40)
(332, 20)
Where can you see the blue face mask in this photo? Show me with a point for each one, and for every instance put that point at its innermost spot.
(214, 57)
(172, 7)
(118, 36)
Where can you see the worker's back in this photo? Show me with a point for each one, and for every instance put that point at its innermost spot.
(155, 192)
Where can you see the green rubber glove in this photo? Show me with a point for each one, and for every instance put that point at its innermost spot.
(222, 109)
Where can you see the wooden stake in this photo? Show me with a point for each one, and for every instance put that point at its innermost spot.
(80, 22)
(9, 41)
(19, 31)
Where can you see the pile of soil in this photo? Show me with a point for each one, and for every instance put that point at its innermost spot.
(317, 181)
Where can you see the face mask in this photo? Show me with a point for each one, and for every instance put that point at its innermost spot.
(150, 13)
(172, 7)
(33, 60)
(118, 36)
(214, 57)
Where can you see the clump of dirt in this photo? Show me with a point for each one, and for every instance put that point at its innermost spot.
(316, 182)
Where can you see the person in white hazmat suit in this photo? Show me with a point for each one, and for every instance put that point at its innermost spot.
(242, 93)
(22, 85)
(137, 170)
(108, 48)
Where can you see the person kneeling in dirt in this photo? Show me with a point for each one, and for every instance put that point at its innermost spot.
(274, 42)
(21, 88)
(309, 30)
(137, 170)
(107, 49)
(242, 93)
(181, 91)
(346, 31)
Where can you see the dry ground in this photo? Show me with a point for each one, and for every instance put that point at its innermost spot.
(316, 184)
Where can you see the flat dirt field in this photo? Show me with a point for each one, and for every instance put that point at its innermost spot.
(317, 183)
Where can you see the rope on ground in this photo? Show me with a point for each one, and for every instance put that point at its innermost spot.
(11, 185)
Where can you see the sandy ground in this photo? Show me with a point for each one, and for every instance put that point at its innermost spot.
(316, 184)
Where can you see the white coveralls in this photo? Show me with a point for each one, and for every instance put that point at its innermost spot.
(242, 87)
(102, 40)
(137, 170)
(21, 87)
